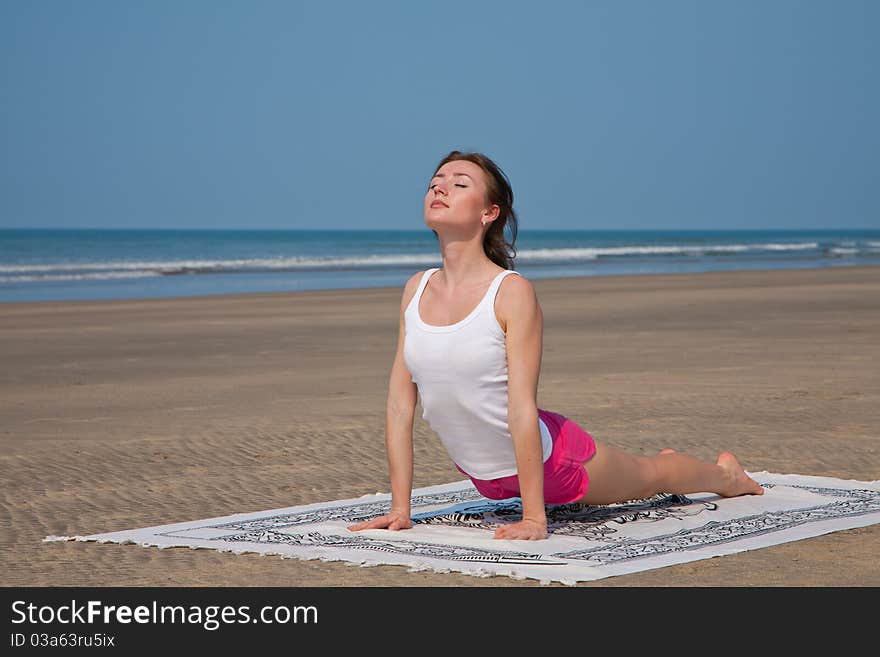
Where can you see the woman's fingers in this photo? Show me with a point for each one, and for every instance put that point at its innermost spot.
(521, 532)
(387, 521)
(375, 523)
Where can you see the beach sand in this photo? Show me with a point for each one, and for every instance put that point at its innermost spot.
(122, 414)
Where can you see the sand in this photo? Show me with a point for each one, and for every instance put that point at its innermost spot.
(121, 414)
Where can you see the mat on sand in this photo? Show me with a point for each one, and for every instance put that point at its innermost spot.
(453, 527)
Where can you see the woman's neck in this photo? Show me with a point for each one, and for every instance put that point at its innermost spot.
(464, 263)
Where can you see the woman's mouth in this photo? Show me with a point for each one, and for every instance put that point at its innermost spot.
(439, 204)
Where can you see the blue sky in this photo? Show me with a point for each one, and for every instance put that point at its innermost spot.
(605, 115)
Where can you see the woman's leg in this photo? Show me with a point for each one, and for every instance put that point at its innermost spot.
(616, 476)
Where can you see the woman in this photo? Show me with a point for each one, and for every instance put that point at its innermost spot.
(470, 344)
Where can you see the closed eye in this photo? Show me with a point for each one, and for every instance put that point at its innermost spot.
(457, 185)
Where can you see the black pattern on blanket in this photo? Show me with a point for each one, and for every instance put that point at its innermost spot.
(572, 519)
(599, 524)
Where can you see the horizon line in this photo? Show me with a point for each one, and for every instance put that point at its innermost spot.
(420, 230)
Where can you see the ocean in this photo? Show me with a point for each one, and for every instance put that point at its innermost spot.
(92, 264)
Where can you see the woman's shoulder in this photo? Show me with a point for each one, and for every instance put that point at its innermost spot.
(410, 287)
(516, 297)
(414, 279)
(516, 285)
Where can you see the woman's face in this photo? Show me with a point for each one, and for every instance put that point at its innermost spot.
(457, 196)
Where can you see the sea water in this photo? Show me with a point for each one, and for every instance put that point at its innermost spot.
(91, 264)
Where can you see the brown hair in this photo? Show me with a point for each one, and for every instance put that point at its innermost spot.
(499, 193)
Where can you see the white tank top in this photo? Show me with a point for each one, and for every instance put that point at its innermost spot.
(460, 371)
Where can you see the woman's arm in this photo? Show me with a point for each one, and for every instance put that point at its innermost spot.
(521, 312)
(399, 415)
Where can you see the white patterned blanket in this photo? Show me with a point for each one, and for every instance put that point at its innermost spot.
(453, 527)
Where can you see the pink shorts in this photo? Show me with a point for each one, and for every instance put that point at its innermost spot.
(565, 479)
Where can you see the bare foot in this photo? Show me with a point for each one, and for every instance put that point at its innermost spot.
(740, 482)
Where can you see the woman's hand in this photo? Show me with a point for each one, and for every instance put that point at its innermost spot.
(524, 530)
(393, 521)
